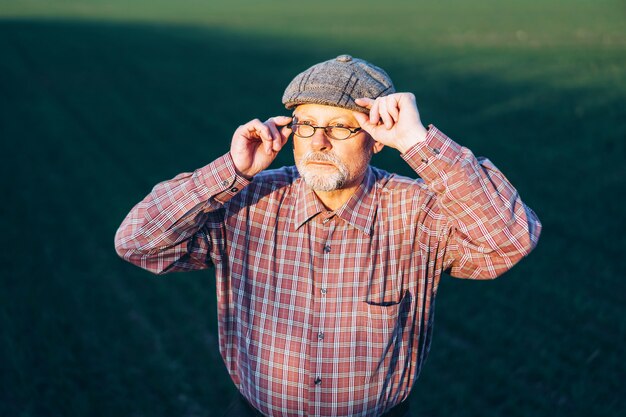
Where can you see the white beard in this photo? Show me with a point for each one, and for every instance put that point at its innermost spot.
(324, 181)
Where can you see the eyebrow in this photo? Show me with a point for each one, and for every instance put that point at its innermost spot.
(343, 119)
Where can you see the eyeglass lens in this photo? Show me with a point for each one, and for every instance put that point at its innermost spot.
(334, 132)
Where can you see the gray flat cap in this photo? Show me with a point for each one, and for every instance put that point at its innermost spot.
(338, 82)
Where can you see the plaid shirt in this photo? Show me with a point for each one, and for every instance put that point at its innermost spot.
(326, 313)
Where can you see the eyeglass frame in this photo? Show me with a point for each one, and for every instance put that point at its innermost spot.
(325, 128)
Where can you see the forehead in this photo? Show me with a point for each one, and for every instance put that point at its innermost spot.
(323, 113)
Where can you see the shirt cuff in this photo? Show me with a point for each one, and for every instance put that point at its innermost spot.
(221, 179)
(433, 157)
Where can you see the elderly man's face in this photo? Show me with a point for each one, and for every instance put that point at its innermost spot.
(327, 164)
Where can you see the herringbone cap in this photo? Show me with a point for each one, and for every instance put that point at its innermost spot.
(338, 82)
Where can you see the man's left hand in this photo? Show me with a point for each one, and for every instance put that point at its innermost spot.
(393, 120)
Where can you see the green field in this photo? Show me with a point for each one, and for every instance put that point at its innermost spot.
(101, 100)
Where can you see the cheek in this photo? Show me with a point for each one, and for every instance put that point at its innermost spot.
(299, 148)
(297, 151)
(356, 157)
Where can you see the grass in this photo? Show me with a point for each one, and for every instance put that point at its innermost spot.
(101, 101)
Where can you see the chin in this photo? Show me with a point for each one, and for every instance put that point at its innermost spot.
(324, 186)
(323, 182)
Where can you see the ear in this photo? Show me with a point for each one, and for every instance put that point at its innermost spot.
(377, 146)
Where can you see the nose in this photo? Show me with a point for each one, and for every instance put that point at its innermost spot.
(320, 142)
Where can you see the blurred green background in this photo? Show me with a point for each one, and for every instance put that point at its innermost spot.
(101, 100)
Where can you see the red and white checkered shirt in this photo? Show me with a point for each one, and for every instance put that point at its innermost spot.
(331, 313)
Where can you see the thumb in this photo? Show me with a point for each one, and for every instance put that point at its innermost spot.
(364, 121)
(364, 102)
(285, 131)
(282, 120)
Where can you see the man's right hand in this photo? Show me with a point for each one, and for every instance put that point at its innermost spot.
(256, 144)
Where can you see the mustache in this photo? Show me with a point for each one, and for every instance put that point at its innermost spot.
(312, 156)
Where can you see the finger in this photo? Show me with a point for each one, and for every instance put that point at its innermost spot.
(280, 136)
(394, 110)
(285, 132)
(374, 115)
(257, 128)
(281, 120)
(361, 118)
(263, 132)
(275, 135)
(363, 121)
(384, 114)
(364, 102)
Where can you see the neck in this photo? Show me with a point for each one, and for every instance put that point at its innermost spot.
(332, 200)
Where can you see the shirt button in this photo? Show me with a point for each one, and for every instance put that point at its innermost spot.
(436, 150)
(318, 380)
(323, 290)
(225, 183)
(234, 189)
(327, 248)
(320, 335)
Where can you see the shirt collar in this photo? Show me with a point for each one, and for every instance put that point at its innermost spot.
(359, 210)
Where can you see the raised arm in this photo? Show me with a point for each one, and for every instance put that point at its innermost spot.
(488, 226)
(165, 231)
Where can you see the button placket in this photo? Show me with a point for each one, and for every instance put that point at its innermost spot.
(327, 216)
(318, 335)
(327, 247)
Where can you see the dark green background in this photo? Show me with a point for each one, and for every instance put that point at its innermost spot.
(101, 100)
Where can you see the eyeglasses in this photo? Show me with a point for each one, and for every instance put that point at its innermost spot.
(334, 132)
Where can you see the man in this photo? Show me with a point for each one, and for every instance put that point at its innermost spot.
(327, 273)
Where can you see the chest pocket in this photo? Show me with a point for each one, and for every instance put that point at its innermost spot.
(382, 339)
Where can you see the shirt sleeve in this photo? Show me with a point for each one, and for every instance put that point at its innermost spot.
(164, 232)
(488, 226)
